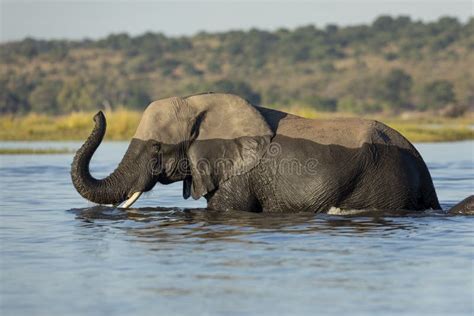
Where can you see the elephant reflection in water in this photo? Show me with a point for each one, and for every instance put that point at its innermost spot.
(174, 224)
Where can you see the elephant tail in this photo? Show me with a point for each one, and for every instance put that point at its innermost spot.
(465, 207)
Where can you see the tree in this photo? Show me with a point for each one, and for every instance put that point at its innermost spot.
(14, 92)
(437, 94)
(9, 102)
(384, 23)
(125, 70)
(237, 87)
(394, 89)
(43, 99)
(321, 103)
(136, 96)
(116, 41)
(77, 95)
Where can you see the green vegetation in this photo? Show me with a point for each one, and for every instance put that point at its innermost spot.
(393, 65)
(395, 89)
(438, 94)
(417, 77)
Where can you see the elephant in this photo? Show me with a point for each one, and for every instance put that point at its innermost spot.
(243, 157)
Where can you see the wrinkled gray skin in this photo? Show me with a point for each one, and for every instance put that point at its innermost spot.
(242, 157)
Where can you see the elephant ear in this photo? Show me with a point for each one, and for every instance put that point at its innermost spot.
(230, 138)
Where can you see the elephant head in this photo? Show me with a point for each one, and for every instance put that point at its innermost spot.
(202, 140)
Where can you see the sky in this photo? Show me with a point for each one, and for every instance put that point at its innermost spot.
(73, 19)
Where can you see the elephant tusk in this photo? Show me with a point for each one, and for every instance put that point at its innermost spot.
(131, 200)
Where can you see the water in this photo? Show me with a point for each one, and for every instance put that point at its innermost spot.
(63, 256)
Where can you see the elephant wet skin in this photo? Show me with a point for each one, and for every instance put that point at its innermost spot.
(242, 157)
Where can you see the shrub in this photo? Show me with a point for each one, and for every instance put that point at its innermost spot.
(237, 87)
(437, 94)
(349, 104)
(394, 88)
(321, 103)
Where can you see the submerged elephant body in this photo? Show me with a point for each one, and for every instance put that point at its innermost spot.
(242, 157)
(313, 165)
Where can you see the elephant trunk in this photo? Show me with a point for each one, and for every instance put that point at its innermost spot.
(114, 188)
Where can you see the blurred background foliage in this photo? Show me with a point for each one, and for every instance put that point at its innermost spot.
(393, 65)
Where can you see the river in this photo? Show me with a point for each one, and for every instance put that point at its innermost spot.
(60, 255)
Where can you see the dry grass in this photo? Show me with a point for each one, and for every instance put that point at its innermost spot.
(32, 151)
(121, 125)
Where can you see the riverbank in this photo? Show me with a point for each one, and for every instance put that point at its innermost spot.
(121, 125)
(35, 151)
